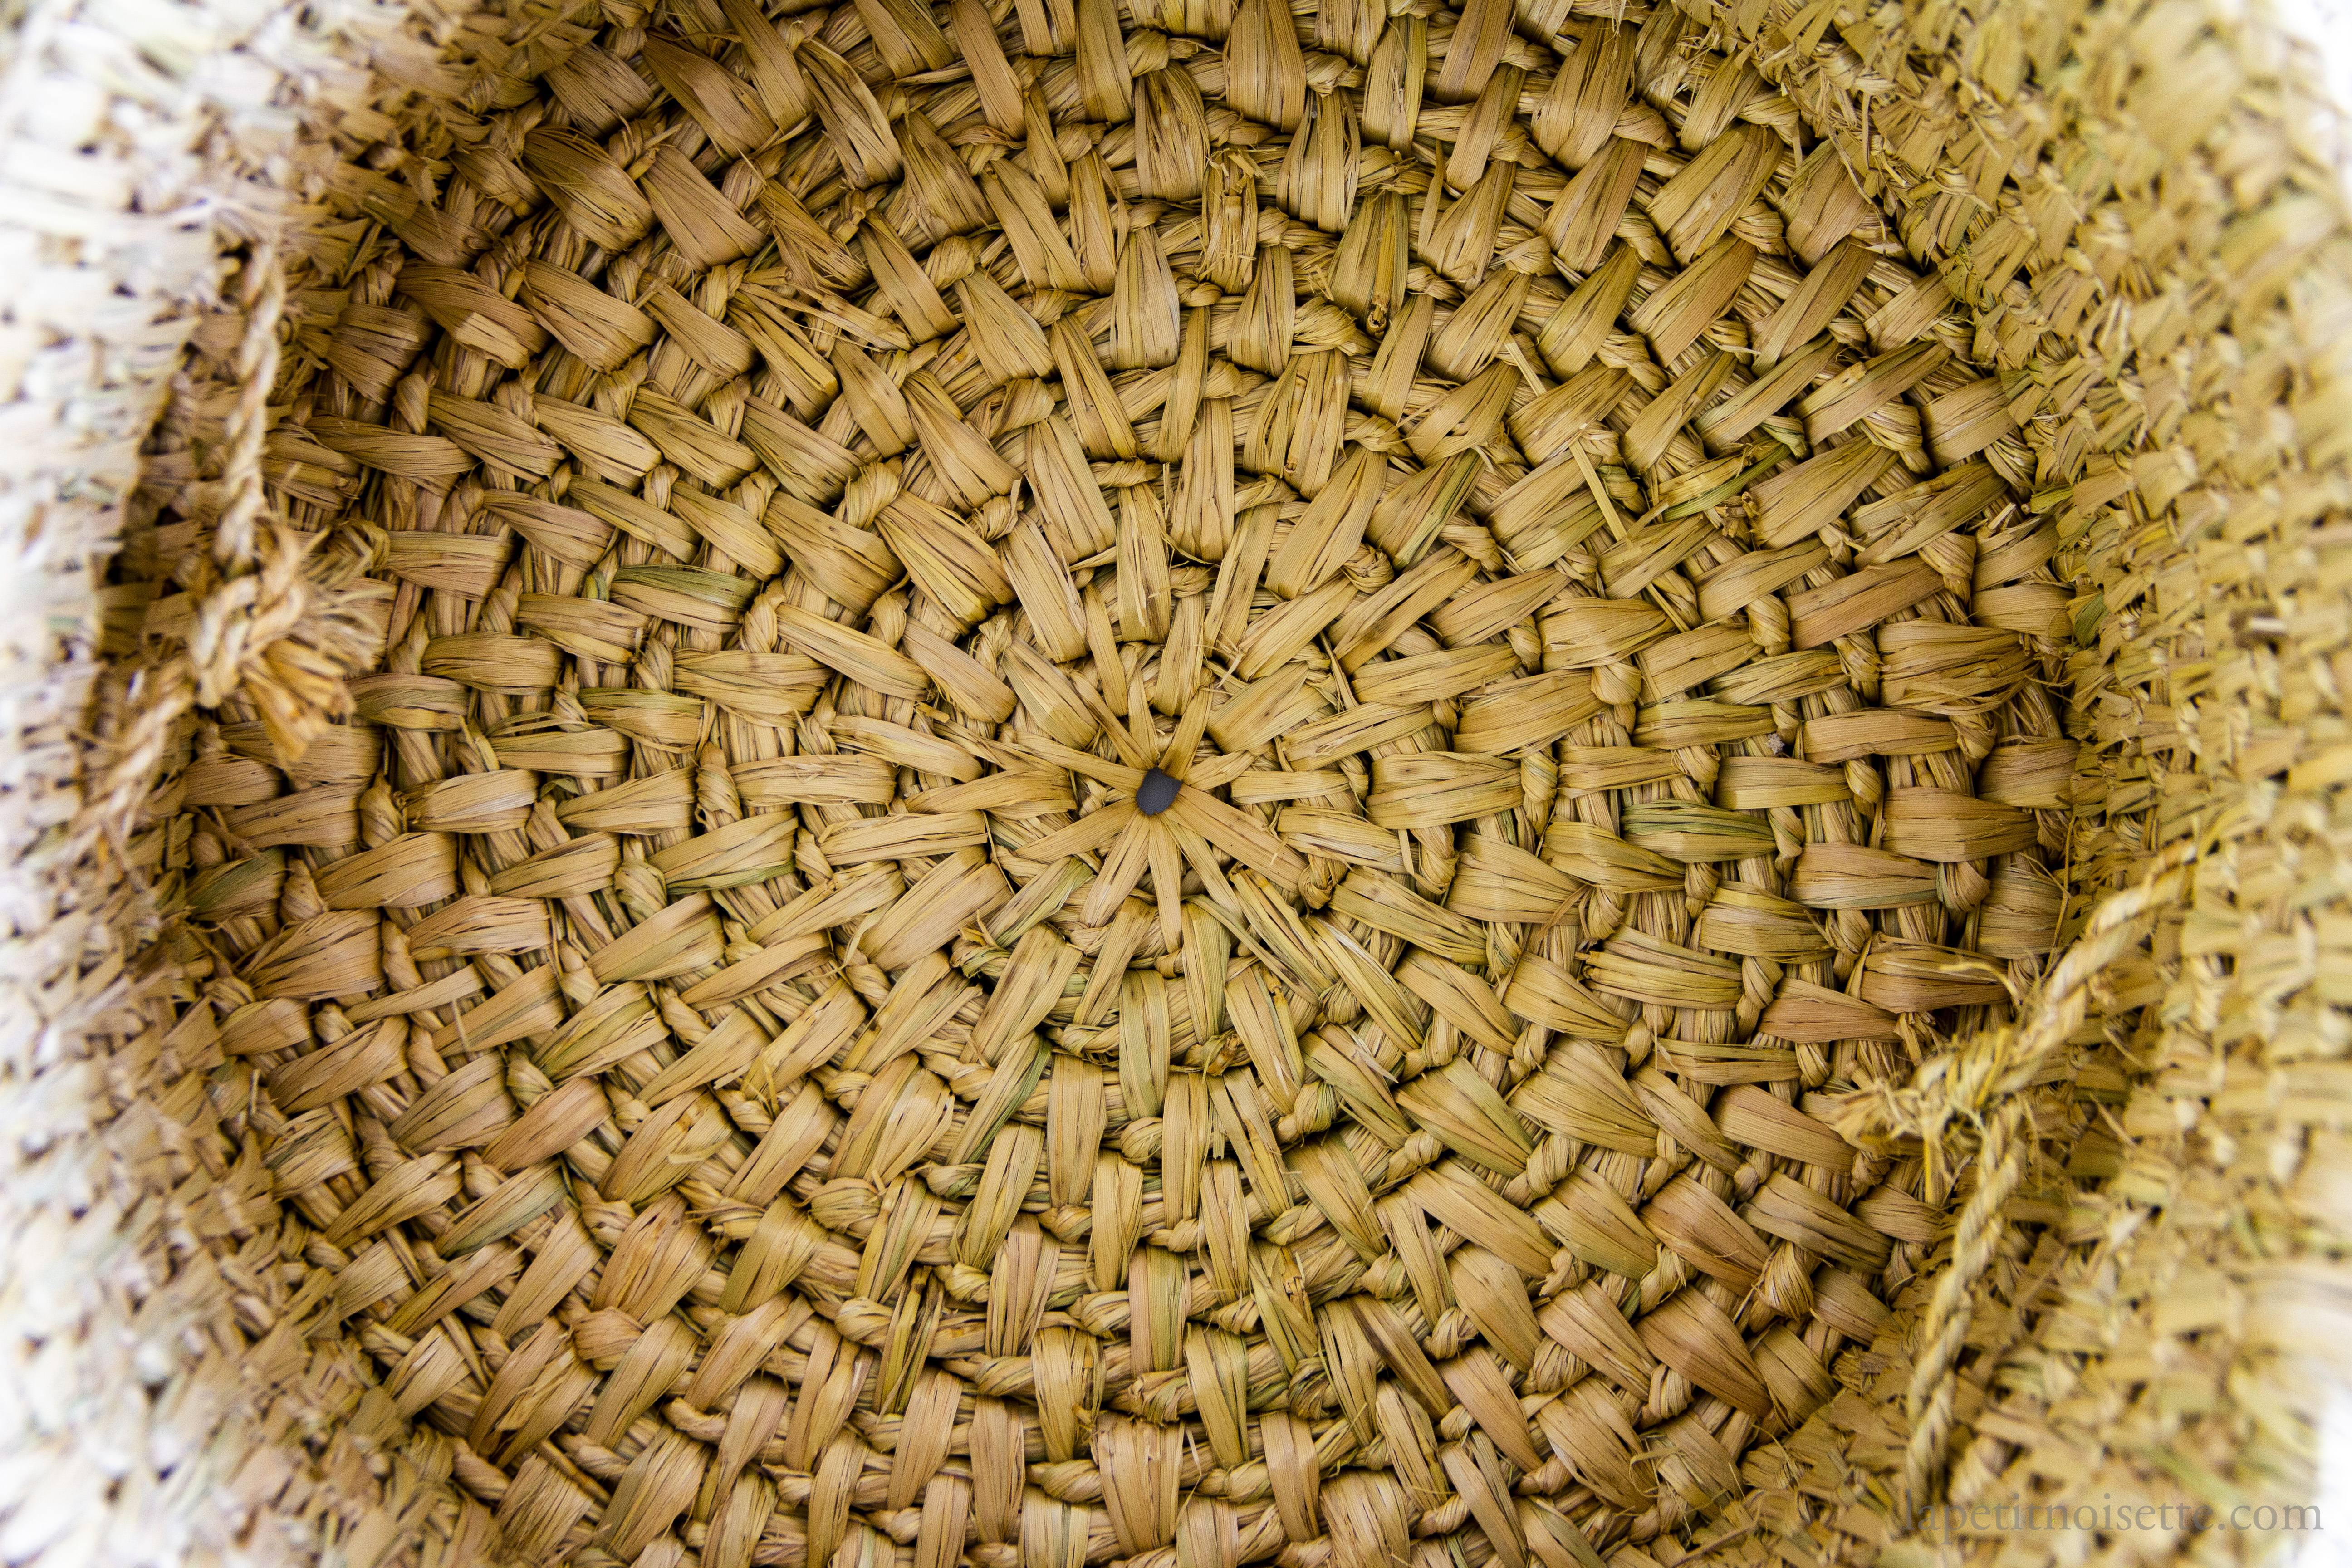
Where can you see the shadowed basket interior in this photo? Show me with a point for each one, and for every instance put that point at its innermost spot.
(728, 1053)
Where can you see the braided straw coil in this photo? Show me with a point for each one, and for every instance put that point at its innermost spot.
(1651, 539)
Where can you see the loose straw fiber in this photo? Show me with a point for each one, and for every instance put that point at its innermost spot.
(1667, 549)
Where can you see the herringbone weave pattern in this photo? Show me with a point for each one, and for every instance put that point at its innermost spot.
(729, 1046)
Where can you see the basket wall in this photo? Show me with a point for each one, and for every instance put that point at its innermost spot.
(140, 142)
(2135, 218)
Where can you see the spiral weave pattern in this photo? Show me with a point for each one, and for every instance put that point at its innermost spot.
(699, 1013)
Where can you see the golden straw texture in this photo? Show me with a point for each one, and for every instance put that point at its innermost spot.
(145, 1408)
(1629, 525)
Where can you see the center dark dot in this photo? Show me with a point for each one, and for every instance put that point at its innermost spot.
(1156, 793)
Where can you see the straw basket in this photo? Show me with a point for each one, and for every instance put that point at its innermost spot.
(1739, 956)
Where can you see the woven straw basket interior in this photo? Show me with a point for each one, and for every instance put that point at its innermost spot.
(1665, 552)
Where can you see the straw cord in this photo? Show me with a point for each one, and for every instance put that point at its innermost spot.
(1980, 1087)
(1933, 1386)
(215, 660)
(263, 304)
(252, 595)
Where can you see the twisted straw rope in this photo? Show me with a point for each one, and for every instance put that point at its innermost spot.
(247, 610)
(257, 373)
(1980, 1086)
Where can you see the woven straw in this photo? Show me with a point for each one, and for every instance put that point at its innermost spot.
(1745, 602)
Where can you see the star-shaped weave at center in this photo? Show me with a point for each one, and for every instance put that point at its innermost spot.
(1189, 831)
